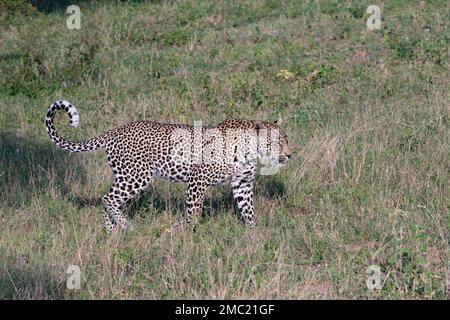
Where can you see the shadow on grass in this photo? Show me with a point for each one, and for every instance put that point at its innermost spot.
(48, 6)
(271, 187)
(26, 283)
(30, 167)
(220, 198)
(162, 200)
(158, 198)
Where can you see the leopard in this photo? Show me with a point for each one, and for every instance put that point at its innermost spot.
(199, 156)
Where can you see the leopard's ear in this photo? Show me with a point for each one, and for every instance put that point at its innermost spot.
(279, 121)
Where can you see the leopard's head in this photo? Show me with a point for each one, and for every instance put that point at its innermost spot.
(273, 142)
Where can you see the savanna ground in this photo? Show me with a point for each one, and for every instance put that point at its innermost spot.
(367, 113)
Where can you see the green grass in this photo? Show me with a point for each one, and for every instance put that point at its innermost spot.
(367, 114)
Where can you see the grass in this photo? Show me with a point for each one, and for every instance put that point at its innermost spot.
(367, 114)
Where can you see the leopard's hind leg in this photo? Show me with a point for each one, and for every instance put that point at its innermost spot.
(124, 190)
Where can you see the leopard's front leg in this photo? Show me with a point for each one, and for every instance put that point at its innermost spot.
(194, 203)
(242, 187)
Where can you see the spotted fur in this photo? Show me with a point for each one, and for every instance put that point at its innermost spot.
(138, 152)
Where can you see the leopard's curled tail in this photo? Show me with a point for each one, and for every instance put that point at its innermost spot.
(88, 145)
